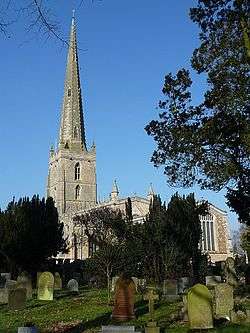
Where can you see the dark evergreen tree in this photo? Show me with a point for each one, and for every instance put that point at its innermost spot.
(185, 227)
(30, 233)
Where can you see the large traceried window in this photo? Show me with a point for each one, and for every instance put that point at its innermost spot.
(92, 248)
(77, 192)
(77, 171)
(208, 236)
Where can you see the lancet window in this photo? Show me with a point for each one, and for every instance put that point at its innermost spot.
(77, 171)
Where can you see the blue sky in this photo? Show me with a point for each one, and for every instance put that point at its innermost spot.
(126, 49)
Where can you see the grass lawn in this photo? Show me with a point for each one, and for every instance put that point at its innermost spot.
(87, 311)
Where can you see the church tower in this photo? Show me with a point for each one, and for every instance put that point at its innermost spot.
(72, 167)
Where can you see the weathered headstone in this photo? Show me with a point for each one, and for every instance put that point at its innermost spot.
(184, 310)
(223, 301)
(3, 295)
(124, 299)
(6, 275)
(135, 279)
(38, 274)
(230, 272)
(2, 281)
(45, 287)
(11, 284)
(73, 286)
(118, 329)
(24, 281)
(212, 280)
(170, 289)
(183, 284)
(58, 281)
(17, 299)
(31, 329)
(113, 282)
(199, 301)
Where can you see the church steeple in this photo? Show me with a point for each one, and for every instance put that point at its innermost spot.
(72, 132)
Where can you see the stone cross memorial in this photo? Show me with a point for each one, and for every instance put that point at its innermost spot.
(17, 299)
(73, 286)
(150, 296)
(124, 299)
(45, 287)
(199, 303)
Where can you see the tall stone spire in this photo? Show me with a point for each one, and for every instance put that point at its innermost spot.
(72, 133)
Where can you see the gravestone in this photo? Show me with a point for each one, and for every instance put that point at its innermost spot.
(230, 272)
(213, 280)
(151, 296)
(223, 301)
(113, 282)
(58, 282)
(17, 299)
(3, 295)
(24, 281)
(141, 285)
(184, 310)
(118, 329)
(124, 299)
(45, 287)
(6, 275)
(2, 281)
(199, 302)
(183, 284)
(73, 286)
(135, 279)
(11, 284)
(27, 330)
(170, 289)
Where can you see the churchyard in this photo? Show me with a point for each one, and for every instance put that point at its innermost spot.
(53, 305)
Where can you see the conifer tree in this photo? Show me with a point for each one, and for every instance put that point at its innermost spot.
(30, 233)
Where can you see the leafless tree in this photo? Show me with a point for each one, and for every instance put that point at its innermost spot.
(39, 17)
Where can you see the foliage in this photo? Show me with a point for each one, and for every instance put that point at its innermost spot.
(102, 225)
(245, 240)
(209, 144)
(30, 232)
(171, 238)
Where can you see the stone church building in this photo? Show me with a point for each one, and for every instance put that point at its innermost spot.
(72, 176)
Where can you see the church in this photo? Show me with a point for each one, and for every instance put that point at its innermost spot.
(72, 176)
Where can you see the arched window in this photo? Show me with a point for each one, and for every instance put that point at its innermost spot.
(77, 171)
(77, 192)
(75, 132)
(69, 92)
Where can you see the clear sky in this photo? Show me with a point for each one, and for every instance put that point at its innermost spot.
(127, 47)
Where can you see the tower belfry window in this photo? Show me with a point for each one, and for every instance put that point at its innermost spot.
(69, 92)
(77, 192)
(77, 171)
